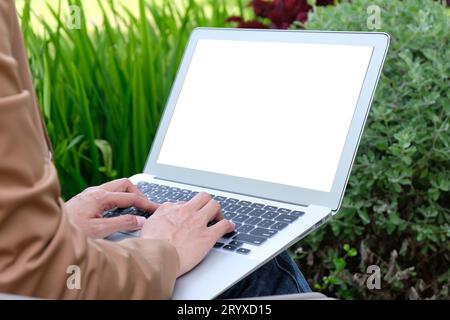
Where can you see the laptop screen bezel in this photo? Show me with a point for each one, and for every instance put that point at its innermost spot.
(261, 189)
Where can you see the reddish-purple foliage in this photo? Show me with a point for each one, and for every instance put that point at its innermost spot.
(281, 13)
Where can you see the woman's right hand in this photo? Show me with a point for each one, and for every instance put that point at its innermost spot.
(185, 226)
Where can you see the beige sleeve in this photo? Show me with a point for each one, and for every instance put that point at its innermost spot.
(37, 242)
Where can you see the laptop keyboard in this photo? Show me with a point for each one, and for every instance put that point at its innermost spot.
(255, 222)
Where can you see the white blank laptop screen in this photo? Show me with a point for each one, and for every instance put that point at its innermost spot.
(270, 111)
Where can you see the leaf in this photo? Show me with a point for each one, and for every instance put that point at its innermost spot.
(106, 151)
(352, 252)
(364, 216)
(339, 264)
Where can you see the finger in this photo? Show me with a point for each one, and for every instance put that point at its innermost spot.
(120, 185)
(108, 226)
(220, 228)
(197, 202)
(211, 211)
(125, 200)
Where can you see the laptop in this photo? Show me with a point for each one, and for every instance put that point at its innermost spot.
(268, 122)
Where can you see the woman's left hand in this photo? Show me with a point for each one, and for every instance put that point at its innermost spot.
(85, 210)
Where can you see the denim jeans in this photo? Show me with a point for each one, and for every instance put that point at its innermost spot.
(278, 276)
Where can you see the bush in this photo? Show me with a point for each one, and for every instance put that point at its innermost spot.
(396, 208)
(277, 14)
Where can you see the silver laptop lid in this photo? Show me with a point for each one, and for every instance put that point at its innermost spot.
(272, 114)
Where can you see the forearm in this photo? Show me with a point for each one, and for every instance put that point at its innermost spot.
(37, 242)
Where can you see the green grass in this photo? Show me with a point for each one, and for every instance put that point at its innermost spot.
(102, 88)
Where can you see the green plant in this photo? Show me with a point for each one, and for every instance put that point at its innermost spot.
(102, 88)
(337, 266)
(396, 207)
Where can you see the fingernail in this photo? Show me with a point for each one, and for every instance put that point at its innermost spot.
(233, 224)
(140, 221)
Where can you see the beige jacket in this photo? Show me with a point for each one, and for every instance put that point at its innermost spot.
(37, 242)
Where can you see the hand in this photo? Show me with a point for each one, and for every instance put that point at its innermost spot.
(85, 210)
(184, 225)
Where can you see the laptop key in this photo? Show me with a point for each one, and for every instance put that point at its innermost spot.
(229, 234)
(271, 208)
(223, 205)
(233, 207)
(141, 184)
(185, 198)
(257, 205)
(266, 223)
(218, 245)
(229, 215)
(175, 196)
(244, 203)
(269, 215)
(286, 218)
(257, 212)
(229, 247)
(284, 210)
(297, 213)
(244, 210)
(131, 210)
(153, 193)
(110, 214)
(123, 211)
(279, 226)
(219, 198)
(262, 232)
(253, 221)
(232, 200)
(148, 190)
(148, 194)
(243, 250)
(251, 239)
(141, 213)
(236, 243)
(164, 194)
(245, 228)
(240, 218)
